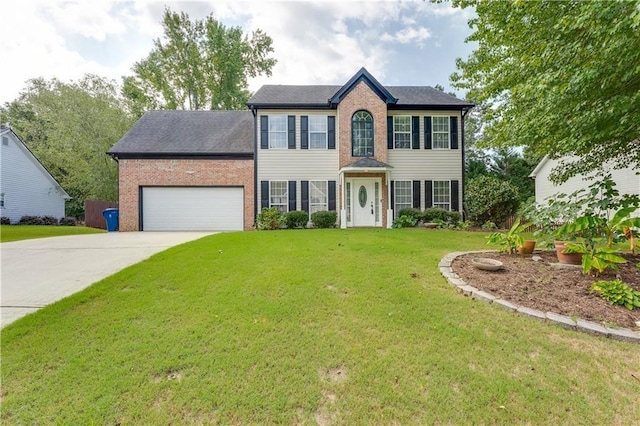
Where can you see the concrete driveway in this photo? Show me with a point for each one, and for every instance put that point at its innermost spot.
(38, 272)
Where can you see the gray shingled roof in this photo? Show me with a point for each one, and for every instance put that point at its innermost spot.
(284, 95)
(189, 132)
(368, 163)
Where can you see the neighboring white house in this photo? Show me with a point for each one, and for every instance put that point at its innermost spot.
(26, 187)
(627, 181)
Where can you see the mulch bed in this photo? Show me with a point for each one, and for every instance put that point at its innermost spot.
(539, 286)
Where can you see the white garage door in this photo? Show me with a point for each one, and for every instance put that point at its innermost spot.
(192, 209)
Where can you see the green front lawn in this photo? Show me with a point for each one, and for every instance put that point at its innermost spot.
(306, 327)
(27, 232)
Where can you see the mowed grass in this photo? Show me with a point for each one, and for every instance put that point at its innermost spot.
(26, 232)
(306, 327)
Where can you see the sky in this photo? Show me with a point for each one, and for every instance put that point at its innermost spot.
(400, 42)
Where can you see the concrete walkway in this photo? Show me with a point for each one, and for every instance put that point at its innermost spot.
(38, 272)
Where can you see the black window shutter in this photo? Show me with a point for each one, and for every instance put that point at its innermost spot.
(264, 194)
(455, 204)
(304, 132)
(416, 194)
(453, 132)
(415, 132)
(427, 133)
(393, 195)
(264, 132)
(389, 132)
(331, 127)
(292, 195)
(304, 195)
(291, 128)
(428, 194)
(332, 195)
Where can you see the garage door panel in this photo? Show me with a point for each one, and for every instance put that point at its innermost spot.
(192, 209)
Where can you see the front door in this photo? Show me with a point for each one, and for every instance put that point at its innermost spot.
(365, 201)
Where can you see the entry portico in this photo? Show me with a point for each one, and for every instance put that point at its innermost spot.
(365, 193)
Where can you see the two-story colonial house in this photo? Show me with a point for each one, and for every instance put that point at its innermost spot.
(362, 149)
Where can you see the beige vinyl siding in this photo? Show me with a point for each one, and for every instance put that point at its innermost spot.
(298, 114)
(428, 164)
(423, 114)
(296, 164)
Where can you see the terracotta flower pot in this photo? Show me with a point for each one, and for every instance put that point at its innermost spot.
(567, 258)
(527, 247)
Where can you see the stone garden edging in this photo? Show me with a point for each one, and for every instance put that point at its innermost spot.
(562, 320)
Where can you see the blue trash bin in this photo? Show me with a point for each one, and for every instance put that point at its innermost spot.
(111, 216)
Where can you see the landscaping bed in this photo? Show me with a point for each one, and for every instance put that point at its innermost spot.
(540, 286)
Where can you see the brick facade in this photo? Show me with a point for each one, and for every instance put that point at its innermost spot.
(362, 98)
(136, 173)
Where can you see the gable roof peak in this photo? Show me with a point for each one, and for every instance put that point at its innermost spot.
(363, 76)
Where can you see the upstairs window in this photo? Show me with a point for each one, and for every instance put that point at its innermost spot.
(317, 132)
(278, 132)
(402, 132)
(440, 132)
(362, 134)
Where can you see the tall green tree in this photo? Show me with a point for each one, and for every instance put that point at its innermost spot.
(200, 64)
(559, 77)
(70, 127)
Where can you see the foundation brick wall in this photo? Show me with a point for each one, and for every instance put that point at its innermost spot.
(136, 173)
(362, 98)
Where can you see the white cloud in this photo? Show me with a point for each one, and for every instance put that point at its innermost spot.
(315, 42)
(407, 35)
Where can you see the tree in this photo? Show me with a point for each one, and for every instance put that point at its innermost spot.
(491, 199)
(560, 78)
(69, 127)
(199, 64)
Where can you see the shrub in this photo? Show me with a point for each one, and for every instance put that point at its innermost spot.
(405, 221)
(617, 293)
(5, 221)
(49, 220)
(430, 214)
(296, 219)
(491, 199)
(439, 215)
(269, 219)
(67, 221)
(31, 220)
(324, 219)
(411, 212)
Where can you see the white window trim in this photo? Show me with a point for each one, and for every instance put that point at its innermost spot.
(433, 132)
(433, 195)
(410, 132)
(286, 131)
(286, 196)
(395, 198)
(326, 132)
(326, 203)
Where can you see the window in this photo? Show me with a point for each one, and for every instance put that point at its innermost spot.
(440, 132)
(442, 194)
(317, 196)
(278, 195)
(348, 191)
(2, 200)
(403, 195)
(317, 132)
(278, 132)
(402, 132)
(362, 134)
(5, 141)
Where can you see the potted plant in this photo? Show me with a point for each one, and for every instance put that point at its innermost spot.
(510, 241)
(527, 247)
